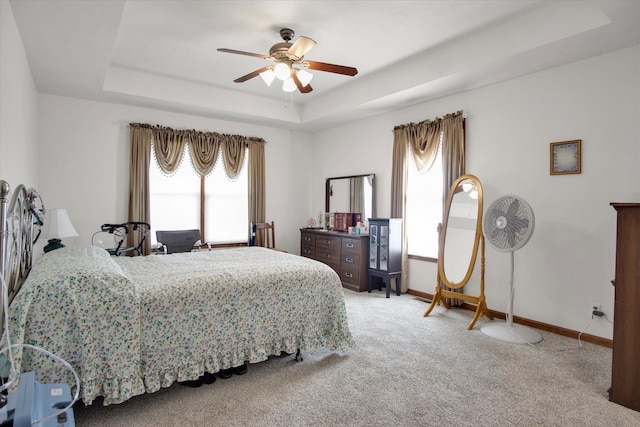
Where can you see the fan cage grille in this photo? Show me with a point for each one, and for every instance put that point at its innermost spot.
(508, 223)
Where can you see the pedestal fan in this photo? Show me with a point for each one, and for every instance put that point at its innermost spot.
(507, 226)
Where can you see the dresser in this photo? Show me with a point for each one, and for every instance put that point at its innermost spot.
(625, 374)
(347, 254)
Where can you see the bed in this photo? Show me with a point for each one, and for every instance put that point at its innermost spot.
(131, 325)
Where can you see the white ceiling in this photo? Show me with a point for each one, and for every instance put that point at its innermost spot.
(162, 54)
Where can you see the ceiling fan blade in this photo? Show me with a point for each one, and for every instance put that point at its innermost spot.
(331, 68)
(240, 52)
(250, 75)
(301, 46)
(302, 89)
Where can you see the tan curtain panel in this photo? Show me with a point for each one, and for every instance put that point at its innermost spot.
(204, 147)
(453, 164)
(256, 176)
(139, 160)
(453, 152)
(399, 173)
(422, 141)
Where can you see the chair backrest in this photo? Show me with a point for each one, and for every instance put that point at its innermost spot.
(265, 234)
(178, 240)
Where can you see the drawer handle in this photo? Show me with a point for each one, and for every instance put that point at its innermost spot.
(328, 242)
(307, 251)
(327, 256)
(349, 259)
(308, 239)
(350, 245)
(349, 275)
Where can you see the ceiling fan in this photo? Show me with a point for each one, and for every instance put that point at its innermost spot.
(286, 55)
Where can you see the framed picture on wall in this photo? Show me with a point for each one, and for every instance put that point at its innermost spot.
(565, 157)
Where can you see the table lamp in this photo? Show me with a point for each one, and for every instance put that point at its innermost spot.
(59, 227)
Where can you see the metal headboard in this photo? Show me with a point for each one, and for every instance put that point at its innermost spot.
(18, 219)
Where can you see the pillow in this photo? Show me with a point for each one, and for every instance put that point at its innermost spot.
(80, 268)
(83, 259)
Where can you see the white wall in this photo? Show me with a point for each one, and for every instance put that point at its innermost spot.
(569, 261)
(84, 163)
(18, 107)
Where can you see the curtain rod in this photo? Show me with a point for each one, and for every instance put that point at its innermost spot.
(436, 120)
(192, 131)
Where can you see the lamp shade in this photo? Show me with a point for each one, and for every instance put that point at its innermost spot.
(282, 71)
(289, 85)
(304, 76)
(60, 225)
(268, 76)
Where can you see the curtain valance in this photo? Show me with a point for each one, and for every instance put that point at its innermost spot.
(423, 138)
(204, 148)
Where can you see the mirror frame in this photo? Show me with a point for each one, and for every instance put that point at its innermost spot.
(327, 190)
(443, 233)
(446, 289)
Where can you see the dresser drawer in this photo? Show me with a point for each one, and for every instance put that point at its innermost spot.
(328, 242)
(351, 246)
(350, 273)
(348, 260)
(308, 251)
(329, 255)
(308, 239)
(308, 245)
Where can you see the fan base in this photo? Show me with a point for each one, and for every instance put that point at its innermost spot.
(517, 334)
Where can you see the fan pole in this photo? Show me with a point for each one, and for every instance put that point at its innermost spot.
(517, 334)
(511, 294)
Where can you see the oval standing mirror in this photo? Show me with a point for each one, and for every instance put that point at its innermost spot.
(461, 232)
(460, 238)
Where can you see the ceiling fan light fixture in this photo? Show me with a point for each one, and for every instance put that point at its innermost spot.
(470, 189)
(304, 76)
(268, 76)
(282, 71)
(289, 85)
(285, 56)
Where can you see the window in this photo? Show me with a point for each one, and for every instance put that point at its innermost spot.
(215, 204)
(424, 207)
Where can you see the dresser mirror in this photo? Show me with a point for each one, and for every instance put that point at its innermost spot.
(460, 239)
(354, 193)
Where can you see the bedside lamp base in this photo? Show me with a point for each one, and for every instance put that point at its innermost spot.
(53, 244)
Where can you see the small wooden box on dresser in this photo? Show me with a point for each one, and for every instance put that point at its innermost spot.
(625, 375)
(346, 253)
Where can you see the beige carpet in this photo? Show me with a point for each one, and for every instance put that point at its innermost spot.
(406, 370)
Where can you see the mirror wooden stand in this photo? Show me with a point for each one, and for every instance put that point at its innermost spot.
(460, 237)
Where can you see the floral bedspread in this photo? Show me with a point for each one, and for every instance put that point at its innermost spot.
(130, 325)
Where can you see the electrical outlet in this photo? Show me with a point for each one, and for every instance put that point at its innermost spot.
(596, 310)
